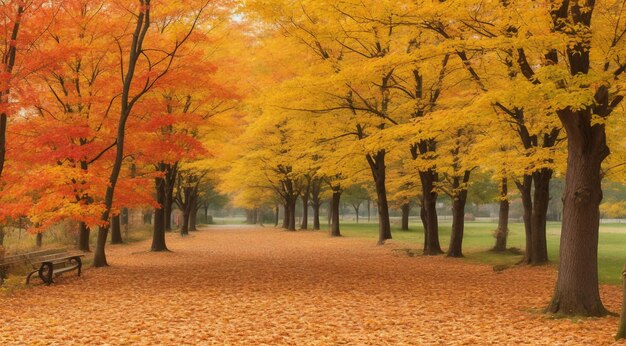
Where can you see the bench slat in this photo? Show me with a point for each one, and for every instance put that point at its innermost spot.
(64, 269)
(55, 257)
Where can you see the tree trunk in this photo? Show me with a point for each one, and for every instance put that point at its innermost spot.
(577, 291)
(2, 235)
(38, 240)
(316, 216)
(286, 216)
(458, 218)
(502, 232)
(171, 173)
(3, 132)
(369, 211)
(541, 199)
(406, 209)
(193, 213)
(330, 211)
(356, 208)
(525, 192)
(193, 221)
(305, 203)
(184, 228)
(158, 226)
(83, 237)
(377, 165)
(116, 230)
(189, 195)
(316, 190)
(334, 228)
(99, 255)
(429, 204)
(305, 211)
(167, 212)
(292, 213)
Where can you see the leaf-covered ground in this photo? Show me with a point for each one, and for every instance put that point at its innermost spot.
(264, 286)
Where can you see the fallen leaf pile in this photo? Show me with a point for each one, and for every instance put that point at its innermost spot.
(243, 286)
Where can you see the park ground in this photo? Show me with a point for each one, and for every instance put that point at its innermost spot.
(252, 286)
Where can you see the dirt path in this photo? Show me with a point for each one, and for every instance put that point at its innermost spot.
(263, 286)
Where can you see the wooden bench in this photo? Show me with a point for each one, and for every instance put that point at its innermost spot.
(46, 263)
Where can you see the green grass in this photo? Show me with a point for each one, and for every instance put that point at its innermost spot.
(478, 240)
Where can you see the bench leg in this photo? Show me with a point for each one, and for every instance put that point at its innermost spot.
(45, 273)
(30, 275)
(79, 262)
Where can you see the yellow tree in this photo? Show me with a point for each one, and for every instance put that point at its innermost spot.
(357, 58)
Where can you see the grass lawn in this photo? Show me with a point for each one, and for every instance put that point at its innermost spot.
(478, 239)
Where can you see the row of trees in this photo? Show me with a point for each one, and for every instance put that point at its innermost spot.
(414, 99)
(110, 104)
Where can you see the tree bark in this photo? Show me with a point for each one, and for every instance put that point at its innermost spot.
(577, 291)
(171, 173)
(286, 216)
(184, 228)
(83, 237)
(525, 191)
(406, 209)
(168, 204)
(292, 213)
(316, 187)
(458, 217)
(429, 205)
(116, 230)
(99, 258)
(316, 216)
(541, 199)
(305, 203)
(357, 207)
(158, 226)
(39, 240)
(2, 235)
(502, 232)
(377, 166)
(305, 211)
(193, 213)
(428, 179)
(334, 227)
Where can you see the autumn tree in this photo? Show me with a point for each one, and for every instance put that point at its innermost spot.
(586, 87)
(143, 69)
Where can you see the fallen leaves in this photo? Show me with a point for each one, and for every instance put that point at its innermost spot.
(264, 286)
